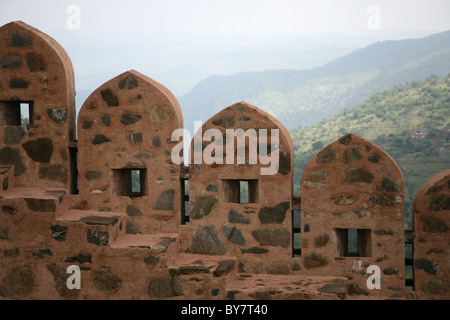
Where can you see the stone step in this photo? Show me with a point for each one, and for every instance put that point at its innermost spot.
(187, 264)
(29, 213)
(162, 243)
(96, 227)
(286, 287)
(41, 200)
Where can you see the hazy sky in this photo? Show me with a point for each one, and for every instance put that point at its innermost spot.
(232, 16)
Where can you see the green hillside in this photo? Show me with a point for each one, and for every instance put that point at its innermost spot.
(305, 97)
(411, 122)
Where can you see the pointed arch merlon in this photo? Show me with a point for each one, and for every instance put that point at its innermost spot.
(124, 146)
(434, 195)
(35, 67)
(352, 162)
(133, 91)
(431, 244)
(36, 82)
(245, 116)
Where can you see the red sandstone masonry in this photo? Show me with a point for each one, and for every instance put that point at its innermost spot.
(257, 233)
(127, 124)
(353, 184)
(130, 244)
(36, 69)
(432, 238)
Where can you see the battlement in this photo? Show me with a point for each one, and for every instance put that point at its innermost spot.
(140, 224)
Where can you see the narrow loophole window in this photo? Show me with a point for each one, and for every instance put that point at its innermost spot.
(353, 242)
(240, 191)
(16, 113)
(130, 182)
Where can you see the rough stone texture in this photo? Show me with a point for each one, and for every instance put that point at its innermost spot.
(315, 184)
(106, 281)
(275, 214)
(110, 98)
(254, 250)
(60, 276)
(128, 83)
(338, 289)
(321, 240)
(13, 135)
(207, 241)
(224, 268)
(314, 260)
(90, 175)
(166, 287)
(433, 225)
(161, 114)
(81, 258)
(354, 175)
(352, 155)
(132, 227)
(151, 260)
(355, 290)
(18, 84)
(389, 185)
(273, 237)
(103, 221)
(11, 156)
(165, 201)
(156, 142)
(318, 175)
(100, 139)
(236, 217)
(279, 267)
(385, 200)
(133, 211)
(224, 122)
(135, 137)
(285, 163)
(130, 118)
(427, 265)
(11, 62)
(41, 205)
(106, 120)
(440, 202)
(57, 115)
(54, 172)
(436, 287)
(326, 155)
(19, 40)
(212, 188)
(99, 238)
(432, 238)
(39, 150)
(346, 140)
(18, 283)
(35, 62)
(202, 206)
(86, 124)
(234, 235)
(8, 209)
(344, 198)
(374, 158)
(59, 232)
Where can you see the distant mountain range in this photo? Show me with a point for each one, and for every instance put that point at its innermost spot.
(411, 122)
(180, 61)
(305, 97)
